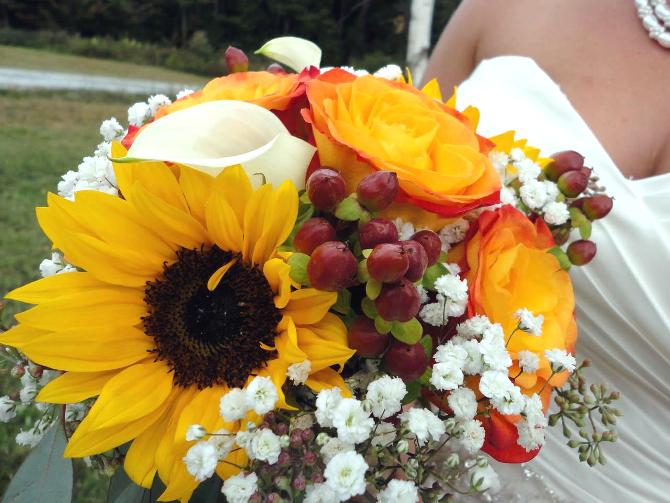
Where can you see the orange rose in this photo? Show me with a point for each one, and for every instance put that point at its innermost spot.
(508, 267)
(368, 123)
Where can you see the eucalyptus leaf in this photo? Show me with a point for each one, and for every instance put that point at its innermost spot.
(124, 490)
(409, 332)
(369, 309)
(349, 209)
(363, 274)
(373, 289)
(45, 475)
(298, 263)
(382, 326)
(413, 392)
(561, 256)
(432, 273)
(427, 343)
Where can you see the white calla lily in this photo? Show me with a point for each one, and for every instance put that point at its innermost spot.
(296, 53)
(216, 134)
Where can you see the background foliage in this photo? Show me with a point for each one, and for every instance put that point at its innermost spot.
(191, 35)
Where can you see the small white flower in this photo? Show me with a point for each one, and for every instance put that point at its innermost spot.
(261, 395)
(528, 361)
(389, 72)
(345, 475)
(500, 161)
(223, 441)
(463, 402)
(156, 101)
(552, 190)
(110, 129)
(183, 93)
(455, 231)
(560, 360)
(399, 491)
(423, 424)
(495, 384)
(423, 295)
(334, 446)
(138, 114)
(485, 478)
(533, 194)
(385, 396)
(240, 488)
(353, 423)
(454, 269)
(529, 323)
(264, 446)
(243, 438)
(326, 402)
(474, 362)
(29, 438)
(472, 435)
(49, 267)
(28, 392)
(7, 409)
(492, 347)
(530, 436)
(452, 287)
(354, 71)
(516, 154)
(451, 353)
(446, 376)
(534, 409)
(67, 184)
(473, 327)
(299, 372)
(384, 434)
(434, 314)
(75, 411)
(508, 196)
(201, 460)
(555, 213)
(405, 229)
(319, 493)
(233, 405)
(527, 170)
(195, 432)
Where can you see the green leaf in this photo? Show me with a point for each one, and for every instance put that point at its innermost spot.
(363, 275)
(413, 392)
(369, 309)
(373, 289)
(367, 252)
(409, 332)
(298, 263)
(124, 490)
(382, 326)
(427, 343)
(343, 304)
(563, 259)
(45, 475)
(585, 229)
(349, 209)
(432, 273)
(424, 380)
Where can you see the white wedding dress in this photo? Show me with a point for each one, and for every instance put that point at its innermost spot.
(623, 296)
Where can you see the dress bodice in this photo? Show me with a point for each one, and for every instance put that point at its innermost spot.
(623, 296)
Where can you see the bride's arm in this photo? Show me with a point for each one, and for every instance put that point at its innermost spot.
(455, 55)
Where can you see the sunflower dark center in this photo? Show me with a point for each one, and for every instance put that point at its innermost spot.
(211, 337)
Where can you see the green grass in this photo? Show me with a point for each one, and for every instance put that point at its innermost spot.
(42, 135)
(34, 59)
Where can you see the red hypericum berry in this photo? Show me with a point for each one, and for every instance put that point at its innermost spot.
(364, 338)
(236, 60)
(573, 183)
(430, 242)
(398, 302)
(563, 162)
(284, 458)
(387, 263)
(299, 482)
(326, 188)
(275, 68)
(418, 259)
(280, 429)
(377, 231)
(295, 439)
(313, 233)
(561, 235)
(407, 361)
(332, 267)
(596, 207)
(309, 458)
(378, 190)
(581, 252)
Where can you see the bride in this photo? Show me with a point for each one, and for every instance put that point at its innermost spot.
(585, 75)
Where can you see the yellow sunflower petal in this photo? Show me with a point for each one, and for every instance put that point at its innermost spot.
(166, 454)
(21, 334)
(234, 185)
(181, 484)
(322, 353)
(276, 370)
(326, 379)
(173, 224)
(222, 224)
(88, 349)
(130, 395)
(277, 272)
(140, 460)
(309, 305)
(73, 387)
(90, 308)
(280, 215)
(218, 275)
(197, 187)
(203, 409)
(287, 343)
(254, 218)
(52, 287)
(229, 466)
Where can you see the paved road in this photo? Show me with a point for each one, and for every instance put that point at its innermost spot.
(14, 78)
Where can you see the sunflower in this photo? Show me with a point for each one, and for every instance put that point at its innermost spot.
(182, 296)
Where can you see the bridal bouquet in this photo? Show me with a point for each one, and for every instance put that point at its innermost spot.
(314, 286)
